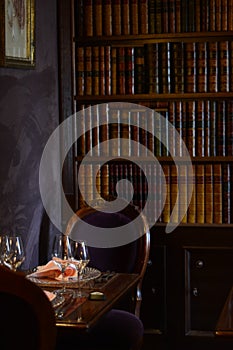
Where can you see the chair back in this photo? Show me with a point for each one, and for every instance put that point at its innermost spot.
(27, 317)
(128, 258)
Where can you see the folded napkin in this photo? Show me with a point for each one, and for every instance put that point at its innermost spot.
(53, 270)
(50, 295)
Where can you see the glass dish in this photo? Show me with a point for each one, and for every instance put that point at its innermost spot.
(88, 274)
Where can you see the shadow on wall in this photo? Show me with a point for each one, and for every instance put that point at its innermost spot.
(28, 110)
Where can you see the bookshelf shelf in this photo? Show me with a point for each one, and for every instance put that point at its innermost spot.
(177, 61)
(142, 39)
(154, 97)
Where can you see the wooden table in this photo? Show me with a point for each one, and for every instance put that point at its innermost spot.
(224, 326)
(89, 312)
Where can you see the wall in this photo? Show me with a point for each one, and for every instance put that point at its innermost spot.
(28, 115)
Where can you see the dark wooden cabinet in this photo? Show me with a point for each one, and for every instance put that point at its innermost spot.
(190, 270)
(187, 281)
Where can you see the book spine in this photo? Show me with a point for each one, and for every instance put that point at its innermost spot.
(218, 11)
(129, 70)
(226, 197)
(125, 15)
(209, 200)
(88, 17)
(190, 65)
(95, 70)
(224, 19)
(213, 130)
(108, 70)
(114, 132)
(134, 17)
(177, 68)
(212, 16)
(229, 128)
(191, 127)
(125, 134)
(212, 67)
(217, 174)
(151, 16)
(121, 70)
(102, 77)
(134, 132)
(139, 70)
(221, 129)
(174, 198)
(178, 15)
(88, 70)
(114, 70)
(224, 66)
(198, 15)
(95, 135)
(202, 67)
(200, 192)
(158, 16)
(81, 143)
(143, 16)
(207, 133)
(191, 188)
(97, 18)
(116, 17)
(164, 16)
(230, 15)
(172, 16)
(166, 189)
(183, 201)
(107, 17)
(80, 71)
(104, 173)
(104, 129)
(200, 129)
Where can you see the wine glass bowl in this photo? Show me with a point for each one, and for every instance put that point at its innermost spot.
(16, 255)
(4, 249)
(81, 258)
(62, 255)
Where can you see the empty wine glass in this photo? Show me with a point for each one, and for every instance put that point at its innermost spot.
(4, 249)
(62, 254)
(16, 254)
(81, 259)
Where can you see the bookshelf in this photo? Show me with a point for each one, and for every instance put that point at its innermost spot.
(175, 58)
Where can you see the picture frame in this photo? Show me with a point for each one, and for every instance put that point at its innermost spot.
(17, 33)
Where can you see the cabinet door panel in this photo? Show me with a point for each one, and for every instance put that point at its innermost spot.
(207, 282)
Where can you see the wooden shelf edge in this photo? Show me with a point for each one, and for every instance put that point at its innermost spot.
(155, 97)
(141, 39)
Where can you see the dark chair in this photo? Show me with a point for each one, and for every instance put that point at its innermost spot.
(27, 318)
(119, 328)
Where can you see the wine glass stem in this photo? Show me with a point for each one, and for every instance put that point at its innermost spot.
(79, 287)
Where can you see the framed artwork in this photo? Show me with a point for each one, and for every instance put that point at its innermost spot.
(17, 33)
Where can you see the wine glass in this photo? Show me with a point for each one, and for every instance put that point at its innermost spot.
(81, 259)
(62, 254)
(16, 255)
(4, 250)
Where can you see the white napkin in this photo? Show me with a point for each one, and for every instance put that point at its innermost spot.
(53, 270)
(50, 295)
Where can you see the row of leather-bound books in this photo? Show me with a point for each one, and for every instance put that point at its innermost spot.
(174, 67)
(123, 17)
(159, 190)
(204, 126)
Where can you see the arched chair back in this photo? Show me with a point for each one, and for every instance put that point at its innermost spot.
(131, 257)
(27, 317)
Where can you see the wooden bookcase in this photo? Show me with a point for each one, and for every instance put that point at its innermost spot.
(178, 66)
(176, 58)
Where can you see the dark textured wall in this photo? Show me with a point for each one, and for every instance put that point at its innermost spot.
(28, 115)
